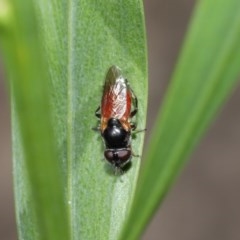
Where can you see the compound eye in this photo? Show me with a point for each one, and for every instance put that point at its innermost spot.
(124, 155)
(110, 155)
(118, 157)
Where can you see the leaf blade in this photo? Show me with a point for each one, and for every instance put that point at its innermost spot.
(116, 42)
(38, 185)
(205, 75)
(76, 51)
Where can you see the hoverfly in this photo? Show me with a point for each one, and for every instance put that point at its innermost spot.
(119, 104)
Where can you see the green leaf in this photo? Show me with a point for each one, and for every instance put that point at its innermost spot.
(74, 43)
(40, 208)
(205, 75)
(102, 34)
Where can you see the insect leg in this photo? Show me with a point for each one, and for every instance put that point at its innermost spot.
(98, 115)
(135, 155)
(138, 131)
(97, 129)
(97, 112)
(133, 126)
(135, 104)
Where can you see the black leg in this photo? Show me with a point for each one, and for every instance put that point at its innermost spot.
(138, 131)
(97, 112)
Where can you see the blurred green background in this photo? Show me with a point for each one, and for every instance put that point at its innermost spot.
(203, 204)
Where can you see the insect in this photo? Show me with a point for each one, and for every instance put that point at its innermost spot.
(119, 104)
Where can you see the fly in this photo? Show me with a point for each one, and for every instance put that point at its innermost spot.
(118, 106)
